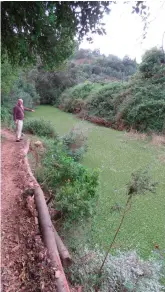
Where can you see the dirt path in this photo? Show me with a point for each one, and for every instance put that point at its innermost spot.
(24, 264)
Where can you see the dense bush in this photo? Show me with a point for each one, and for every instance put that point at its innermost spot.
(6, 116)
(124, 272)
(15, 84)
(40, 128)
(8, 76)
(74, 99)
(25, 90)
(50, 85)
(75, 144)
(74, 186)
(147, 114)
(72, 105)
(101, 103)
(151, 62)
(80, 91)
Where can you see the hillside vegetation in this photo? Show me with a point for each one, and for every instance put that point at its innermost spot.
(138, 103)
(104, 90)
(36, 85)
(83, 65)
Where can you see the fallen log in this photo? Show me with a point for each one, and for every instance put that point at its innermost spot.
(47, 228)
(63, 251)
(49, 239)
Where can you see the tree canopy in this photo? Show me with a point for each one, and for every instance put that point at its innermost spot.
(47, 29)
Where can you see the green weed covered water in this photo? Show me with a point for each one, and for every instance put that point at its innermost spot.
(117, 156)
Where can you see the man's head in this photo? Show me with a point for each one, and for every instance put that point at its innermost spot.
(20, 101)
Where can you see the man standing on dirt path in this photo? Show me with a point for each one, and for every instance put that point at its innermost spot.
(18, 116)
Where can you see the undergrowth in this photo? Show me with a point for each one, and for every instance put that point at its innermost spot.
(6, 116)
(39, 128)
(74, 99)
(73, 185)
(123, 272)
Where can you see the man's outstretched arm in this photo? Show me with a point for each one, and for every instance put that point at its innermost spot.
(28, 109)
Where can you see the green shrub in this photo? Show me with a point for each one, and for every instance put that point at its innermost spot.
(101, 103)
(74, 186)
(75, 144)
(9, 74)
(50, 85)
(123, 272)
(25, 90)
(147, 116)
(151, 62)
(78, 91)
(6, 117)
(75, 97)
(144, 107)
(39, 128)
(72, 105)
(76, 198)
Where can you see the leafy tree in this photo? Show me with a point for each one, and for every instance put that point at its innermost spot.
(151, 62)
(49, 85)
(8, 76)
(96, 70)
(82, 54)
(38, 29)
(15, 83)
(25, 90)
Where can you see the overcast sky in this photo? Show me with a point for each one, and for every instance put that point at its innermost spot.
(125, 30)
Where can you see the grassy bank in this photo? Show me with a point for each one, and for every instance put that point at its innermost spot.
(117, 156)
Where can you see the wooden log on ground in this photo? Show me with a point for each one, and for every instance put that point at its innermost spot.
(63, 251)
(49, 239)
(47, 228)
